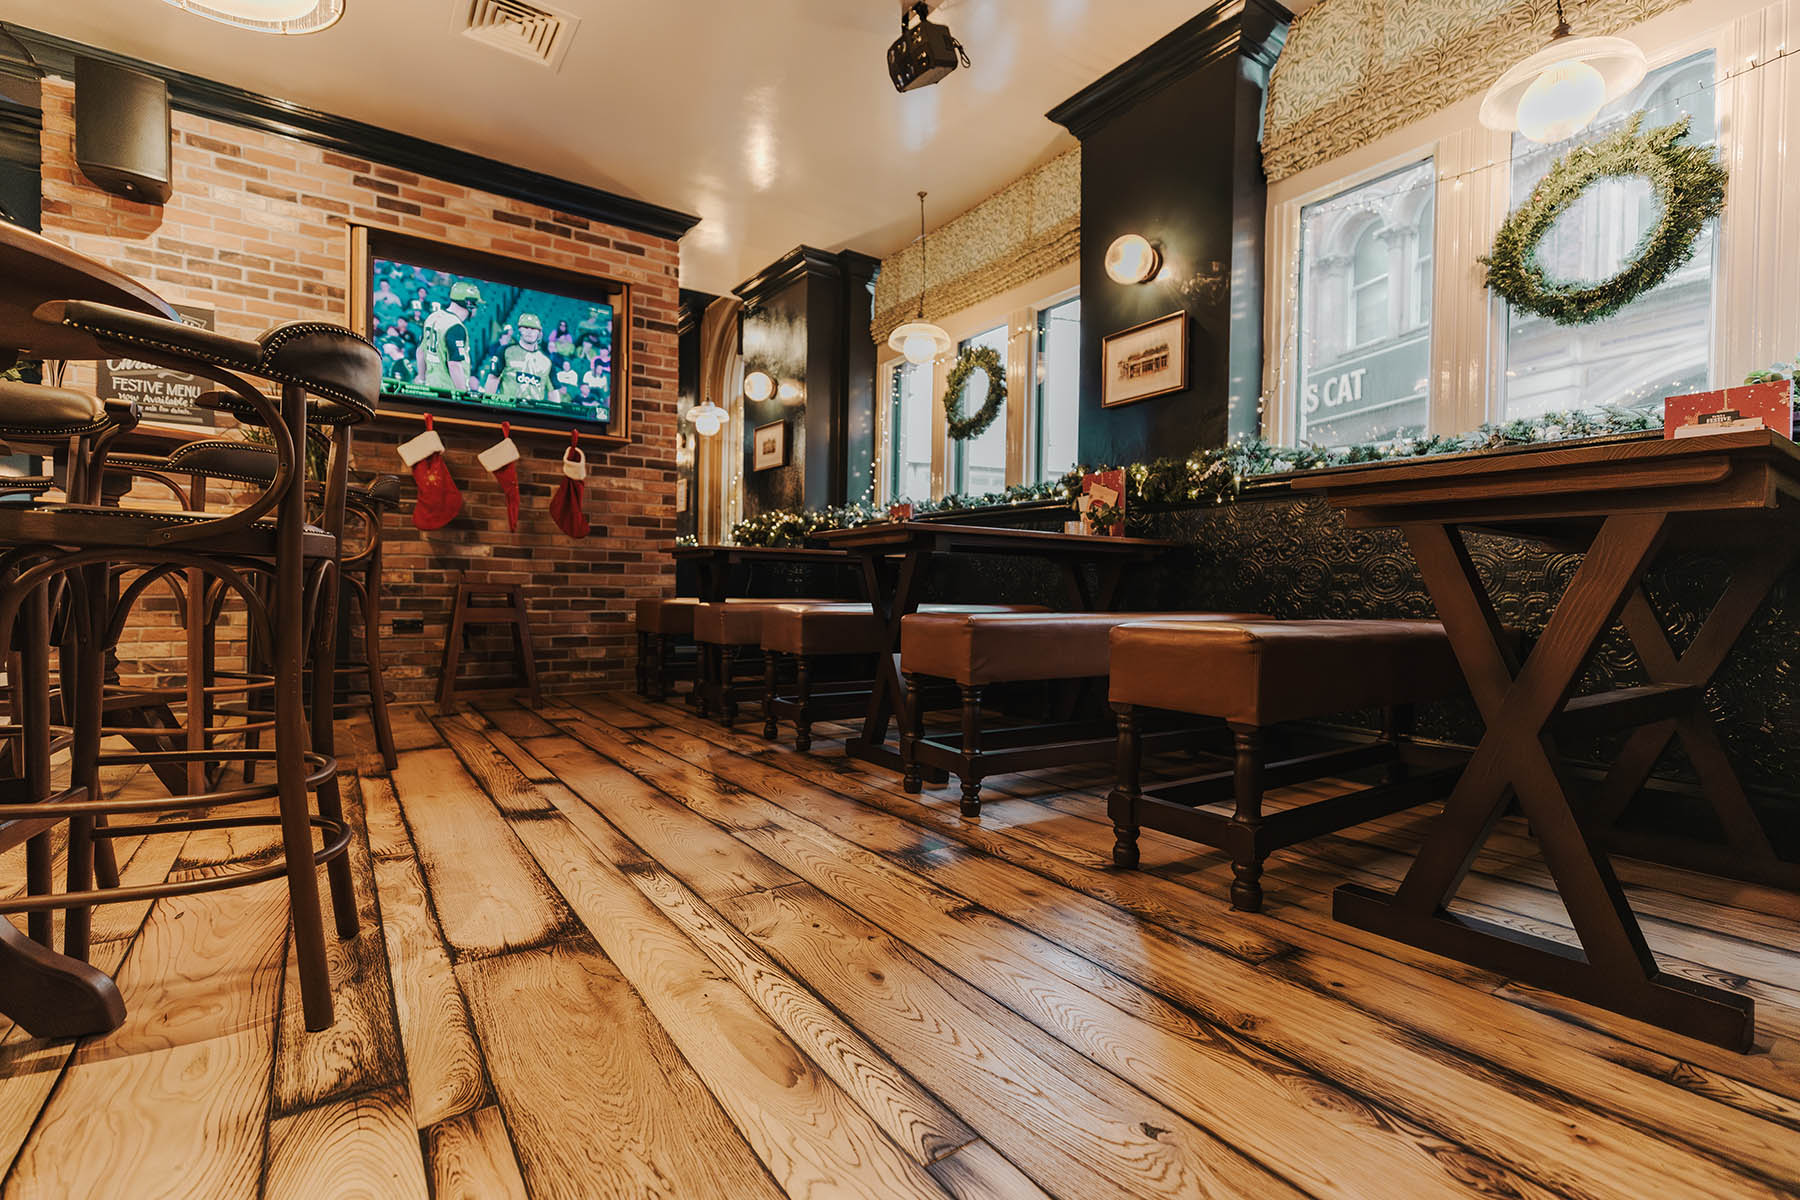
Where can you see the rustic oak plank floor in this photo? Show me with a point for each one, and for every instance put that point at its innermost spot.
(610, 949)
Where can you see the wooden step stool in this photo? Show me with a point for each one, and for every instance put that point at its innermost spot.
(488, 604)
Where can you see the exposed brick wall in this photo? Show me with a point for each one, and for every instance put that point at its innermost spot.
(257, 229)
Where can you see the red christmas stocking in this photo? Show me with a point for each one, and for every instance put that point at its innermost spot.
(565, 505)
(438, 501)
(499, 459)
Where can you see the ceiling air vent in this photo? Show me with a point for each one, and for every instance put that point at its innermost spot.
(530, 30)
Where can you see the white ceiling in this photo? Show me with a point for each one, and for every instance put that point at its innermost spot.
(772, 119)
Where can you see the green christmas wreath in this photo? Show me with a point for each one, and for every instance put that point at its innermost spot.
(986, 360)
(1688, 182)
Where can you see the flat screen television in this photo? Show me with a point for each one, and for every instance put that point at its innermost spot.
(491, 339)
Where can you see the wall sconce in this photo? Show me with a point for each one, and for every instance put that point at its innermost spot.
(789, 391)
(1132, 259)
(758, 386)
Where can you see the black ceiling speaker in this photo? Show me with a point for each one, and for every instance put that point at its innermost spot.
(925, 51)
(122, 130)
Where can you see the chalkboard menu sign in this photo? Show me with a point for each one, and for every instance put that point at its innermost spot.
(164, 397)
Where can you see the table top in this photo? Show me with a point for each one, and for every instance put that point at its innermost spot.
(890, 536)
(741, 553)
(1756, 470)
(35, 270)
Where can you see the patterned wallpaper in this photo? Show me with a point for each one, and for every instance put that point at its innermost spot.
(1355, 70)
(1028, 228)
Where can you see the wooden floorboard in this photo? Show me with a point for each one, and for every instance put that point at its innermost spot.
(611, 949)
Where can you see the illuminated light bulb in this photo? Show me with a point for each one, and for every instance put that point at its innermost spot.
(1132, 259)
(1561, 102)
(758, 386)
(707, 418)
(919, 349)
(789, 391)
(919, 341)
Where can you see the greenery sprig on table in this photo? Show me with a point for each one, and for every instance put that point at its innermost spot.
(976, 358)
(1212, 476)
(1689, 184)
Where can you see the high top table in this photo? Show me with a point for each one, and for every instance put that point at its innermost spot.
(1735, 495)
(896, 562)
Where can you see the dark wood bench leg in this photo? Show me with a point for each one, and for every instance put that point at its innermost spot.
(655, 677)
(803, 717)
(1397, 730)
(771, 688)
(728, 705)
(1121, 805)
(1247, 860)
(912, 728)
(643, 663)
(971, 747)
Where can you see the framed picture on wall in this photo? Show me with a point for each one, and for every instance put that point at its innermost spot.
(1146, 360)
(770, 444)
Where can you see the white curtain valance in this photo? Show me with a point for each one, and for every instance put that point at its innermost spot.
(1355, 70)
(1028, 228)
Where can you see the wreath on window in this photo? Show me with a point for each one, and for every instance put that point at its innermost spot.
(1688, 182)
(977, 358)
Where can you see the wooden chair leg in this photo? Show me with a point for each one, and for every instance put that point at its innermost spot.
(771, 691)
(803, 718)
(323, 727)
(1121, 804)
(971, 748)
(453, 647)
(1247, 862)
(30, 712)
(912, 729)
(527, 652)
(378, 708)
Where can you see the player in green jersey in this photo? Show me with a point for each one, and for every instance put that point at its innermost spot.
(526, 368)
(444, 343)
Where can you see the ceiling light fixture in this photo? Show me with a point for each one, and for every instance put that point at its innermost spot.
(707, 418)
(1557, 92)
(1132, 259)
(758, 386)
(267, 16)
(919, 340)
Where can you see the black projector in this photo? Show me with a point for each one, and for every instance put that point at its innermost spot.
(924, 53)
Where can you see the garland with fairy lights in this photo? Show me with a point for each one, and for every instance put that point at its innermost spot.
(1688, 182)
(976, 358)
(1218, 476)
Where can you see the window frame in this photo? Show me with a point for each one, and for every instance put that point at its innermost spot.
(1752, 110)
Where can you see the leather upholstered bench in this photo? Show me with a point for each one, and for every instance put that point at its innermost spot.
(728, 629)
(808, 633)
(1257, 674)
(664, 624)
(976, 651)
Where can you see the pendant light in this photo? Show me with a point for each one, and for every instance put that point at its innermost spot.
(1557, 92)
(267, 16)
(707, 418)
(919, 340)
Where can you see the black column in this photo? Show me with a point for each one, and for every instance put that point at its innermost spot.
(1170, 150)
(806, 323)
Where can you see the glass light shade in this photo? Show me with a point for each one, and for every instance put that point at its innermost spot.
(758, 386)
(1132, 259)
(707, 418)
(267, 16)
(1551, 95)
(919, 341)
(789, 391)
(1561, 102)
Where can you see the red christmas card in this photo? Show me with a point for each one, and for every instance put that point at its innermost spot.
(1103, 496)
(1730, 410)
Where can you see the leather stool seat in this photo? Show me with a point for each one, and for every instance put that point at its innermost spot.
(671, 616)
(1257, 674)
(739, 622)
(1013, 647)
(815, 629)
(1267, 672)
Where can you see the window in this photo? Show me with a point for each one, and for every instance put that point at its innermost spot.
(909, 431)
(978, 464)
(1660, 344)
(1361, 378)
(1058, 389)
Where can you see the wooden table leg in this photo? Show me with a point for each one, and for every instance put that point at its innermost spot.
(1746, 852)
(1614, 967)
(893, 590)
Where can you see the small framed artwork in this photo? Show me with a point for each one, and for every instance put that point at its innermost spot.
(770, 443)
(1146, 360)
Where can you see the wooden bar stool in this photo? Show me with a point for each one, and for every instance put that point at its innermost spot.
(488, 604)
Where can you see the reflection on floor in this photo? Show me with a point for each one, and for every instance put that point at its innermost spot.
(613, 950)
